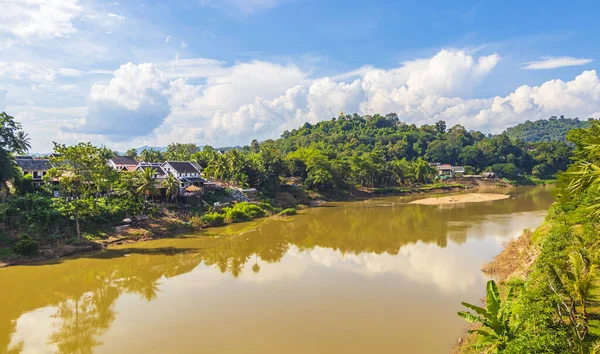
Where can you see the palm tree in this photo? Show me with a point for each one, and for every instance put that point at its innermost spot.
(24, 140)
(146, 179)
(171, 185)
(495, 319)
(584, 174)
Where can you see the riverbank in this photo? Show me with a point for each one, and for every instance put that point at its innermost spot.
(172, 226)
(462, 198)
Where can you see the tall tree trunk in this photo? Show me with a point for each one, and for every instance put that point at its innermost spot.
(77, 229)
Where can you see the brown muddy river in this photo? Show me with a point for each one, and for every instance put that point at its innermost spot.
(379, 276)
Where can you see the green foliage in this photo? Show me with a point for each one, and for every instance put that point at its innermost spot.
(26, 246)
(505, 170)
(288, 212)
(545, 130)
(180, 152)
(494, 318)
(243, 212)
(553, 306)
(213, 219)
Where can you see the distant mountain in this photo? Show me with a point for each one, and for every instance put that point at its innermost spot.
(552, 129)
(146, 147)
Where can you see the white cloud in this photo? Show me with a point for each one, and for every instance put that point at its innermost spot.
(118, 17)
(132, 104)
(167, 39)
(183, 45)
(555, 62)
(32, 73)
(230, 105)
(25, 71)
(39, 19)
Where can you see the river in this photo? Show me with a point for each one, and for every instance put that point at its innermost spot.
(377, 276)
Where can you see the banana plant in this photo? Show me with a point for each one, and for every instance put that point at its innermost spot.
(496, 331)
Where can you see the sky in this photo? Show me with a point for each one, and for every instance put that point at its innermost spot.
(222, 72)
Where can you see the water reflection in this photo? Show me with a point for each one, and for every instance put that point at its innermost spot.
(385, 243)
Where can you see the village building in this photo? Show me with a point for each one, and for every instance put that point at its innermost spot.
(458, 171)
(449, 171)
(188, 173)
(123, 163)
(159, 173)
(37, 168)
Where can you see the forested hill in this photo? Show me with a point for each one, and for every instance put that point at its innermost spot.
(552, 129)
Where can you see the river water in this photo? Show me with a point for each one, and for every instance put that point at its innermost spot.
(378, 276)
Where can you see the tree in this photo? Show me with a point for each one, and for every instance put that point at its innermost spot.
(181, 152)
(495, 319)
(81, 172)
(151, 155)
(24, 140)
(146, 181)
(10, 142)
(254, 146)
(171, 186)
(131, 152)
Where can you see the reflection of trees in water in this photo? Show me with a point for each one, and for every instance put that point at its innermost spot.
(85, 291)
(85, 295)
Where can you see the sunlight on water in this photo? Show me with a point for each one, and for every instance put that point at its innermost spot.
(379, 276)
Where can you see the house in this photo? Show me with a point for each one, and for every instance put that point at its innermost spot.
(123, 163)
(444, 170)
(37, 168)
(159, 173)
(488, 175)
(458, 171)
(188, 173)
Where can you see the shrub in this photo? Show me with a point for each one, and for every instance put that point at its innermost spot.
(288, 212)
(26, 246)
(243, 212)
(266, 207)
(213, 219)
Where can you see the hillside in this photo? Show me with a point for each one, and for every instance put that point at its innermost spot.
(544, 130)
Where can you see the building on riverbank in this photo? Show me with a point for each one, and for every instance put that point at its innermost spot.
(37, 168)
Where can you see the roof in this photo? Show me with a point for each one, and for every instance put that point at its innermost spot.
(444, 167)
(193, 179)
(24, 157)
(124, 160)
(458, 169)
(34, 164)
(154, 165)
(184, 167)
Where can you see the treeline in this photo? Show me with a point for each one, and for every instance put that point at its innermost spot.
(552, 129)
(554, 310)
(369, 151)
(347, 152)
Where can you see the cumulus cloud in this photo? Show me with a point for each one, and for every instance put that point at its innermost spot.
(133, 103)
(39, 19)
(555, 62)
(261, 99)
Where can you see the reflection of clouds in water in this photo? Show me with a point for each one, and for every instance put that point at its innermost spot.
(500, 228)
(447, 268)
(452, 268)
(34, 328)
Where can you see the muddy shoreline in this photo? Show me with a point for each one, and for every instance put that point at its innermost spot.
(154, 233)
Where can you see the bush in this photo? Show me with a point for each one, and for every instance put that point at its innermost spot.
(213, 219)
(288, 212)
(243, 212)
(266, 207)
(26, 246)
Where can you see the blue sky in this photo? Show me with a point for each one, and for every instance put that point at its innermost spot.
(223, 72)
